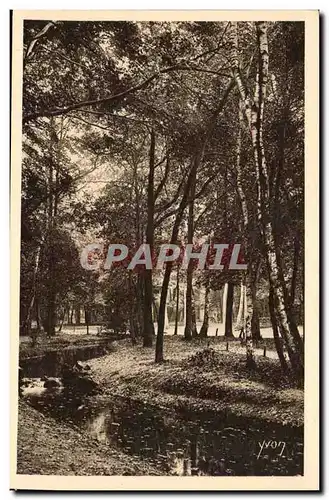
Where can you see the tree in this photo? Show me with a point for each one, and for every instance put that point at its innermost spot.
(229, 311)
(253, 109)
(151, 132)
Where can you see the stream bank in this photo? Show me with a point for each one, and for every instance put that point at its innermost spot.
(47, 446)
(199, 413)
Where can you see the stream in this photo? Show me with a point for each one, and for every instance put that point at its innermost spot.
(179, 443)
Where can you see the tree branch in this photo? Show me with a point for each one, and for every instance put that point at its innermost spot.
(205, 185)
(110, 98)
(93, 102)
(159, 221)
(163, 180)
(196, 223)
(173, 200)
(41, 33)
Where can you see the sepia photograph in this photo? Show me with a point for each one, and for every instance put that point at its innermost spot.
(160, 168)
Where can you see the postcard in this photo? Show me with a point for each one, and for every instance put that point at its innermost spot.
(165, 250)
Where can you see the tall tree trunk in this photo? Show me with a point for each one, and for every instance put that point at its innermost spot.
(248, 289)
(53, 202)
(254, 111)
(140, 304)
(190, 328)
(87, 318)
(148, 333)
(177, 303)
(166, 279)
(78, 315)
(61, 322)
(239, 318)
(220, 307)
(277, 339)
(251, 363)
(196, 161)
(133, 316)
(139, 320)
(38, 315)
(224, 303)
(292, 291)
(275, 189)
(27, 321)
(194, 327)
(205, 325)
(51, 293)
(168, 268)
(229, 311)
(51, 305)
(288, 332)
(255, 327)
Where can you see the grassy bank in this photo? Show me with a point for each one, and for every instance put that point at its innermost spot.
(46, 446)
(46, 344)
(201, 378)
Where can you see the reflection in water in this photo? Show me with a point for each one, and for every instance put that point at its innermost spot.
(36, 388)
(98, 428)
(184, 444)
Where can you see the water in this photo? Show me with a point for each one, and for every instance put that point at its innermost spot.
(179, 443)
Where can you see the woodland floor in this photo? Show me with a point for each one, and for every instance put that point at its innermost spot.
(201, 378)
(59, 341)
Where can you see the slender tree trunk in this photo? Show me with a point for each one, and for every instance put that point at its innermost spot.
(196, 161)
(38, 315)
(139, 320)
(240, 310)
(205, 324)
(53, 201)
(51, 293)
(78, 315)
(294, 272)
(161, 315)
(166, 317)
(229, 311)
(133, 316)
(254, 111)
(190, 323)
(255, 327)
(87, 319)
(277, 339)
(140, 304)
(275, 195)
(224, 303)
(194, 327)
(249, 289)
(165, 283)
(51, 308)
(177, 303)
(168, 268)
(251, 363)
(61, 322)
(67, 312)
(148, 333)
(132, 329)
(220, 307)
(188, 307)
(27, 321)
